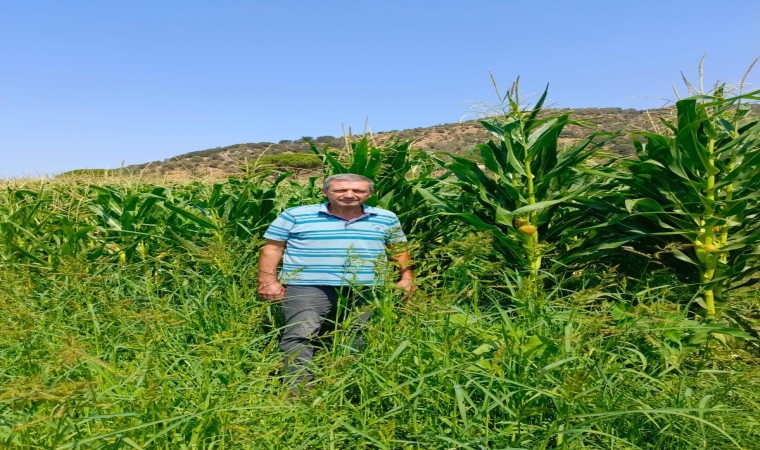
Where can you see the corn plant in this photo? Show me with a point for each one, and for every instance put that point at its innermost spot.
(698, 187)
(533, 195)
(243, 207)
(40, 226)
(143, 221)
(18, 218)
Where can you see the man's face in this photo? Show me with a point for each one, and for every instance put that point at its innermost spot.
(348, 193)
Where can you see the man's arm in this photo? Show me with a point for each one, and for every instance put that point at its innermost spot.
(270, 257)
(406, 274)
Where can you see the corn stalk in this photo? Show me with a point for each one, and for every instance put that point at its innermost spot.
(531, 193)
(699, 188)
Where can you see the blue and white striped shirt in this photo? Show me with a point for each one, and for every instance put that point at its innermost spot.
(325, 250)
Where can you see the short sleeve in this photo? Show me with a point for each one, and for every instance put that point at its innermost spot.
(395, 234)
(280, 229)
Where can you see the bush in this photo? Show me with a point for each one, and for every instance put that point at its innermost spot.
(290, 161)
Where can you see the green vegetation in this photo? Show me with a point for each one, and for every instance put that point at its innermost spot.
(527, 186)
(287, 161)
(701, 183)
(129, 319)
(96, 173)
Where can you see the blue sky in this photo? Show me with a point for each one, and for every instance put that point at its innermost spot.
(98, 84)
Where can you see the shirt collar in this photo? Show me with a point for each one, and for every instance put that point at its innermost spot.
(368, 210)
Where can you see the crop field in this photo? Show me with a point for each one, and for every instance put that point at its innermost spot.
(567, 298)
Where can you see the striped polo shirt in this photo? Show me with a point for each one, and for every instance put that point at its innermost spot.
(325, 250)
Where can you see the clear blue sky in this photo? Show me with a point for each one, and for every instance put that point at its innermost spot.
(98, 84)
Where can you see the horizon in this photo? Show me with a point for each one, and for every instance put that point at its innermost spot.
(100, 86)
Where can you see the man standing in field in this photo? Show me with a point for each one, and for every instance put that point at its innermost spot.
(327, 250)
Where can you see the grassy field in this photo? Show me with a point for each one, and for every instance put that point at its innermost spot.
(567, 300)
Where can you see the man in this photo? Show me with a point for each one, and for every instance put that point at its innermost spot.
(326, 249)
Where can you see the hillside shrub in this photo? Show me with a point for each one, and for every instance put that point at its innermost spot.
(288, 161)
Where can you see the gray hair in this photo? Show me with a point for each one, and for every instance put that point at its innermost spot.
(347, 177)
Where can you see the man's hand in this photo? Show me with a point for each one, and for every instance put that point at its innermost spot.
(271, 254)
(407, 274)
(274, 292)
(407, 284)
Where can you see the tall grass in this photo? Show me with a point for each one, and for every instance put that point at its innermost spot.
(194, 365)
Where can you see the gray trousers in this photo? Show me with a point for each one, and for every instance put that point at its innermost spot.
(311, 314)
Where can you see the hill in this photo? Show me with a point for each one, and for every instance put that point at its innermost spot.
(452, 137)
